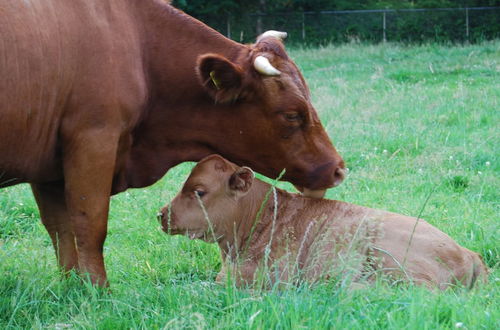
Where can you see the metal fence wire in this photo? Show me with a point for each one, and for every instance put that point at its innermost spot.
(404, 25)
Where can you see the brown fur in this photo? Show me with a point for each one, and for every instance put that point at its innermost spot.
(310, 239)
(100, 96)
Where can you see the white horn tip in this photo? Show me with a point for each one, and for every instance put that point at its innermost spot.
(273, 33)
(263, 66)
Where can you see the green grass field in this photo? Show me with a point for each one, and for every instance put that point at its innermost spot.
(413, 123)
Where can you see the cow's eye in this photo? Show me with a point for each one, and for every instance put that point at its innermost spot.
(200, 192)
(292, 116)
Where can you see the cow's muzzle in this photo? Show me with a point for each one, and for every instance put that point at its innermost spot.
(339, 175)
(323, 177)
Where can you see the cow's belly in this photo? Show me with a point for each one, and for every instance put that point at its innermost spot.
(31, 107)
(27, 155)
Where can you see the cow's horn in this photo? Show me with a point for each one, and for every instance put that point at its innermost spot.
(262, 65)
(272, 33)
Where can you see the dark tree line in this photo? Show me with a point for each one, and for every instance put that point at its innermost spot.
(238, 7)
(242, 20)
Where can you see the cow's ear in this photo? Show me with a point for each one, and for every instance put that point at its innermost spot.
(220, 77)
(241, 180)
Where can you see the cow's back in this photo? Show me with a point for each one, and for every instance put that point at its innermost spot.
(57, 57)
(428, 255)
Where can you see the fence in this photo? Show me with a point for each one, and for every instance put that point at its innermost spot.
(380, 25)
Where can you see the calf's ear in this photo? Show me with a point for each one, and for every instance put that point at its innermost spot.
(220, 77)
(241, 180)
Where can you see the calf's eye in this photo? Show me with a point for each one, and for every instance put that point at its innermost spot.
(200, 193)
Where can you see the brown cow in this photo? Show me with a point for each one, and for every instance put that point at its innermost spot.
(300, 237)
(100, 96)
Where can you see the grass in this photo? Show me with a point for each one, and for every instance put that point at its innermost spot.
(411, 122)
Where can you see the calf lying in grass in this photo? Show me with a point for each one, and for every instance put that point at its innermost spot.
(286, 237)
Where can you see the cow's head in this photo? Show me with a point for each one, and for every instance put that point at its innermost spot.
(269, 122)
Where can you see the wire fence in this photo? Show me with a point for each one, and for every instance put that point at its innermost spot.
(379, 25)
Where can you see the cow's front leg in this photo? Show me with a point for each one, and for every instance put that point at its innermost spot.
(89, 160)
(52, 204)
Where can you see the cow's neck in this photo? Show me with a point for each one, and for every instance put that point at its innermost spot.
(250, 232)
(294, 214)
(233, 234)
(177, 119)
(173, 43)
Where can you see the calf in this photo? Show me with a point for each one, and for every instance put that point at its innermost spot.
(290, 236)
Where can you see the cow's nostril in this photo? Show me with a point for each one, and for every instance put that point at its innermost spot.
(339, 176)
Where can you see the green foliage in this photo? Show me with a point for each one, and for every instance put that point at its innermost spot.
(200, 7)
(243, 20)
(411, 122)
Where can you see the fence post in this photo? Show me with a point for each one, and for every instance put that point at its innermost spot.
(303, 26)
(384, 38)
(258, 27)
(467, 23)
(228, 26)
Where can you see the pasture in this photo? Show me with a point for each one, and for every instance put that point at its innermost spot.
(419, 128)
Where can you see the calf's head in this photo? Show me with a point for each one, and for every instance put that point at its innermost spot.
(208, 203)
(266, 119)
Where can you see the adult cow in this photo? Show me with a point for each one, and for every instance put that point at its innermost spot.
(100, 96)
